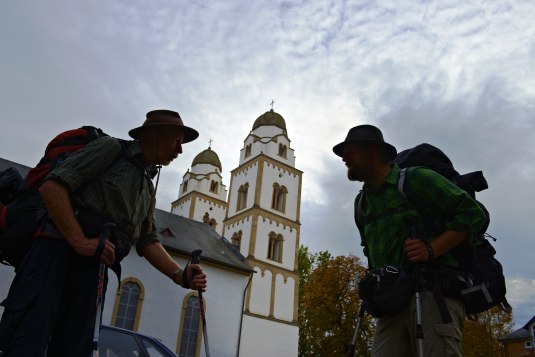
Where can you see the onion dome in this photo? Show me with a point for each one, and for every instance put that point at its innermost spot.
(207, 157)
(270, 118)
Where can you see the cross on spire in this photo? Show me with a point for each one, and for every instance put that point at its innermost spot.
(210, 143)
(272, 102)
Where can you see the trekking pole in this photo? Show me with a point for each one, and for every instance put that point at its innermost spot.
(104, 236)
(419, 328)
(196, 259)
(353, 347)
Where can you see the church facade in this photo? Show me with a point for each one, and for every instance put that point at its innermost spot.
(260, 217)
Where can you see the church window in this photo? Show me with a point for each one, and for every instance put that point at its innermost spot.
(128, 304)
(248, 150)
(236, 239)
(214, 186)
(275, 247)
(278, 200)
(185, 186)
(242, 196)
(190, 327)
(283, 150)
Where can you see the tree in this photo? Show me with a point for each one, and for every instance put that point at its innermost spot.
(480, 338)
(329, 305)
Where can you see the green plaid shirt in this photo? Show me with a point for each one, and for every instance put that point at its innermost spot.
(387, 218)
(101, 179)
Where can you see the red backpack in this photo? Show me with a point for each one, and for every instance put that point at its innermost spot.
(23, 210)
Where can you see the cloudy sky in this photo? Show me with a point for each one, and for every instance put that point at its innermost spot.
(457, 74)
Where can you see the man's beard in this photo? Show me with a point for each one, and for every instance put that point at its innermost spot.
(353, 174)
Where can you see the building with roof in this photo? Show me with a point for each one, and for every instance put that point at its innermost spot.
(247, 314)
(521, 342)
(261, 219)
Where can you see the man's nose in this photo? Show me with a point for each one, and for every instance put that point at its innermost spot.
(178, 148)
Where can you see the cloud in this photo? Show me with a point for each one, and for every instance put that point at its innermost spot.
(452, 73)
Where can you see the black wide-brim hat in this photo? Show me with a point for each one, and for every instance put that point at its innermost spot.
(366, 133)
(163, 117)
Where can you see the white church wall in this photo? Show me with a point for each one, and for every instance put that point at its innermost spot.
(264, 227)
(265, 338)
(248, 175)
(261, 292)
(215, 211)
(162, 305)
(284, 298)
(244, 225)
(277, 174)
(183, 208)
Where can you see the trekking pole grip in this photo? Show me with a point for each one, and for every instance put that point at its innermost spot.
(196, 256)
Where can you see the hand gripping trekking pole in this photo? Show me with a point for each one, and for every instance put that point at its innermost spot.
(104, 236)
(419, 288)
(196, 259)
(353, 348)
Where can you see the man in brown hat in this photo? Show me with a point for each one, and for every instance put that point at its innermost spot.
(388, 224)
(51, 303)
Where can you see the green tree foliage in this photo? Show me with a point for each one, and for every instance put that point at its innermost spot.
(480, 338)
(329, 305)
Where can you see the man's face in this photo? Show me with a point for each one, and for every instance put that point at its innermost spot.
(169, 144)
(358, 161)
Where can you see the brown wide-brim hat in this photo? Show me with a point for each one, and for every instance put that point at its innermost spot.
(366, 133)
(163, 117)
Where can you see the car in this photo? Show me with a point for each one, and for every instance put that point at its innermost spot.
(118, 342)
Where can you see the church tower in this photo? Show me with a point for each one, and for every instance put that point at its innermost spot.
(202, 194)
(262, 221)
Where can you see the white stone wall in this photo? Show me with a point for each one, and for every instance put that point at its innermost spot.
(201, 183)
(282, 342)
(216, 211)
(278, 174)
(247, 175)
(245, 225)
(260, 301)
(264, 227)
(183, 208)
(268, 145)
(284, 298)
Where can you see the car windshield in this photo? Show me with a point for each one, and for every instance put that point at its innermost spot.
(117, 344)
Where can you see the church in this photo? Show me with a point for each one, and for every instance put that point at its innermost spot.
(249, 234)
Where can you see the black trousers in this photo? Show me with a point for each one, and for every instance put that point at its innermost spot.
(51, 303)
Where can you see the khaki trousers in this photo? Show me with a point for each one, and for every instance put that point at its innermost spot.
(396, 336)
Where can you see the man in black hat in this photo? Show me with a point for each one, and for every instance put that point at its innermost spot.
(388, 224)
(51, 302)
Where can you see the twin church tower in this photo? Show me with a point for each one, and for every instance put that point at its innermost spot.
(259, 214)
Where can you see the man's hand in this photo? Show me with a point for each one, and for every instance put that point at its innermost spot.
(416, 250)
(196, 277)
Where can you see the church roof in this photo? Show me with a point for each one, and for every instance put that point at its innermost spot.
(270, 118)
(184, 235)
(5, 164)
(207, 156)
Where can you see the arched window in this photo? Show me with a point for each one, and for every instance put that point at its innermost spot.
(242, 196)
(236, 239)
(275, 246)
(278, 200)
(185, 186)
(283, 150)
(248, 150)
(214, 186)
(190, 327)
(128, 304)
